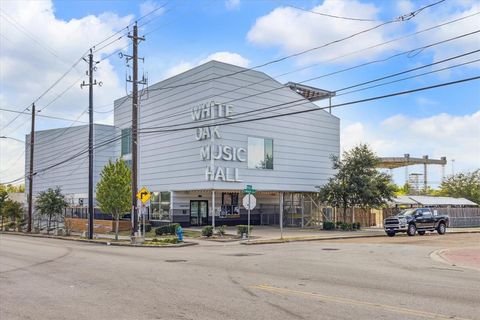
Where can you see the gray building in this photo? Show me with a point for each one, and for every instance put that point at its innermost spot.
(61, 160)
(196, 166)
(198, 148)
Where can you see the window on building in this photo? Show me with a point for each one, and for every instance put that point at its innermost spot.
(230, 206)
(260, 153)
(126, 141)
(160, 206)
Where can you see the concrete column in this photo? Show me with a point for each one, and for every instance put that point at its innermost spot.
(425, 183)
(213, 209)
(281, 215)
(303, 210)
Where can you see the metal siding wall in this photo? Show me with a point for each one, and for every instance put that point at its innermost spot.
(171, 161)
(56, 145)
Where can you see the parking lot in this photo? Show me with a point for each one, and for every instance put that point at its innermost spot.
(367, 278)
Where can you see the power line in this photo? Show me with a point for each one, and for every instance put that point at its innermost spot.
(148, 130)
(402, 18)
(281, 87)
(331, 15)
(39, 115)
(264, 118)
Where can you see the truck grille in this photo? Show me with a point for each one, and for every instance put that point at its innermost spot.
(391, 222)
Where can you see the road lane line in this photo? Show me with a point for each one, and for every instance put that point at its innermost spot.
(360, 303)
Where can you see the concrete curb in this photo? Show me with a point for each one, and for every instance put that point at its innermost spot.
(105, 243)
(300, 239)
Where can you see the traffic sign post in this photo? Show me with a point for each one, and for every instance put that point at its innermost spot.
(144, 196)
(249, 203)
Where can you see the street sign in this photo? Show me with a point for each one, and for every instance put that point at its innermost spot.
(249, 201)
(143, 195)
(249, 190)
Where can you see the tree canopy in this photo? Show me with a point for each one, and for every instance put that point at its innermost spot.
(357, 182)
(50, 203)
(462, 185)
(114, 190)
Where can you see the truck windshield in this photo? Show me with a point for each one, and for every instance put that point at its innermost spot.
(405, 213)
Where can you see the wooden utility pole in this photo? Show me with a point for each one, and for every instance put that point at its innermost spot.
(90, 84)
(30, 174)
(134, 81)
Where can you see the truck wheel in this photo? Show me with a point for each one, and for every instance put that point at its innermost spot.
(391, 233)
(411, 230)
(441, 228)
(421, 233)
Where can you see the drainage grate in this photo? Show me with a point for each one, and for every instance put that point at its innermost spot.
(330, 249)
(176, 260)
(244, 254)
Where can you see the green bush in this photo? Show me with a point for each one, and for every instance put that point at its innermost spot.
(167, 229)
(345, 226)
(221, 230)
(339, 224)
(327, 225)
(359, 226)
(241, 229)
(166, 240)
(207, 231)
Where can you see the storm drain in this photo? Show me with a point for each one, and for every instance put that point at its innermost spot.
(330, 249)
(244, 254)
(176, 260)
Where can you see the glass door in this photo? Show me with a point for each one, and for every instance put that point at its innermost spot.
(198, 212)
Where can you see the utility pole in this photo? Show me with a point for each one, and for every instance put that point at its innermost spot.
(134, 81)
(30, 174)
(90, 84)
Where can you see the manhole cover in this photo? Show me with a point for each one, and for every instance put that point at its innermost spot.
(176, 260)
(330, 249)
(244, 254)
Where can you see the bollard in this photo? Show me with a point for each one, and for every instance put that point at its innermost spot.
(180, 234)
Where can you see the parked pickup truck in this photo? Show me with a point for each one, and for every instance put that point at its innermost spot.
(416, 220)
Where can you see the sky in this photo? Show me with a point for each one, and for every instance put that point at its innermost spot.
(41, 40)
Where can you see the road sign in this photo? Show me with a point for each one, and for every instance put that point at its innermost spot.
(143, 195)
(249, 202)
(249, 190)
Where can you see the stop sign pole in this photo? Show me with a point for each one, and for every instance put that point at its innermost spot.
(250, 192)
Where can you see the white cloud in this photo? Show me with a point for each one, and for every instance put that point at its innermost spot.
(222, 56)
(294, 30)
(456, 137)
(28, 67)
(232, 4)
(148, 6)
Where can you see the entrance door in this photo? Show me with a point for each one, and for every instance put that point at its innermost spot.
(198, 212)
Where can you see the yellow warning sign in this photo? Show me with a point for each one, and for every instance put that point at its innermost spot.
(143, 195)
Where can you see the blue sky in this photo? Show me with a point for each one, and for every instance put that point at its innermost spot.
(183, 34)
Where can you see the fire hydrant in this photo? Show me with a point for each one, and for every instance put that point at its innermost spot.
(180, 234)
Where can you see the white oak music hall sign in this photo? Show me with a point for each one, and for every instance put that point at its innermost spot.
(211, 111)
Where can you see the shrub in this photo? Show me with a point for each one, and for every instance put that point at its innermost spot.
(164, 241)
(221, 230)
(167, 229)
(207, 231)
(345, 226)
(327, 225)
(241, 229)
(339, 224)
(359, 226)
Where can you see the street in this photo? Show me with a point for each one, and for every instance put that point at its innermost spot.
(369, 278)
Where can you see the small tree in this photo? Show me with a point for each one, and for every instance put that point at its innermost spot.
(3, 198)
(51, 203)
(114, 190)
(357, 181)
(12, 210)
(462, 185)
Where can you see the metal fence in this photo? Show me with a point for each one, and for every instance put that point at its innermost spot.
(459, 217)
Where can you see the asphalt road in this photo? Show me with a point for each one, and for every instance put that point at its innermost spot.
(378, 278)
